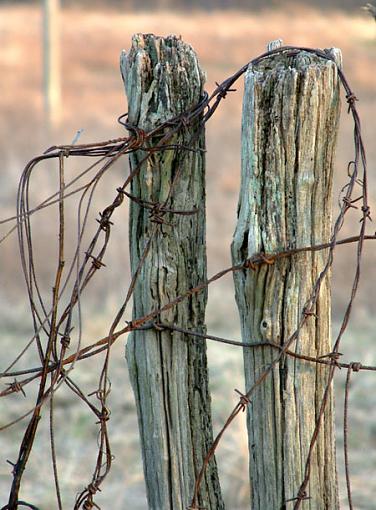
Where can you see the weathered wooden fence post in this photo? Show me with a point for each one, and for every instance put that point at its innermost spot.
(168, 370)
(51, 62)
(290, 118)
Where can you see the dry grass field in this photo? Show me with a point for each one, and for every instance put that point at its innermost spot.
(93, 98)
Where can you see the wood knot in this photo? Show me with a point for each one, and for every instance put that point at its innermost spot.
(266, 327)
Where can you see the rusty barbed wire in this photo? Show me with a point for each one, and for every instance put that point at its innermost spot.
(142, 322)
(56, 365)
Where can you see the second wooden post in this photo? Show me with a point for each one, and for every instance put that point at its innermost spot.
(290, 117)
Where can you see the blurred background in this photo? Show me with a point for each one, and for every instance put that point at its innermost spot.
(86, 92)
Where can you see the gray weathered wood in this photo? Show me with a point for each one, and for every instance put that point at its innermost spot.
(290, 118)
(169, 370)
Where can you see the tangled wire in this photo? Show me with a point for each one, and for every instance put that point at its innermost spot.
(53, 328)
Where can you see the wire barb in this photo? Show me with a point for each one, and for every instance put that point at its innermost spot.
(244, 401)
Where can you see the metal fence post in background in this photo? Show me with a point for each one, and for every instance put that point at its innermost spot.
(290, 120)
(168, 370)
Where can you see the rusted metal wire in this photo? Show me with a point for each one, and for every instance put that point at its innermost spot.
(53, 326)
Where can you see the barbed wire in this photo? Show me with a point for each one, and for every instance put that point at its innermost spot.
(56, 326)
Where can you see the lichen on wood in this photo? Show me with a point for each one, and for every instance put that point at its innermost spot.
(168, 370)
(289, 129)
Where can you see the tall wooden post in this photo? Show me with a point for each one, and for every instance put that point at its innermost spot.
(290, 119)
(168, 370)
(51, 62)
